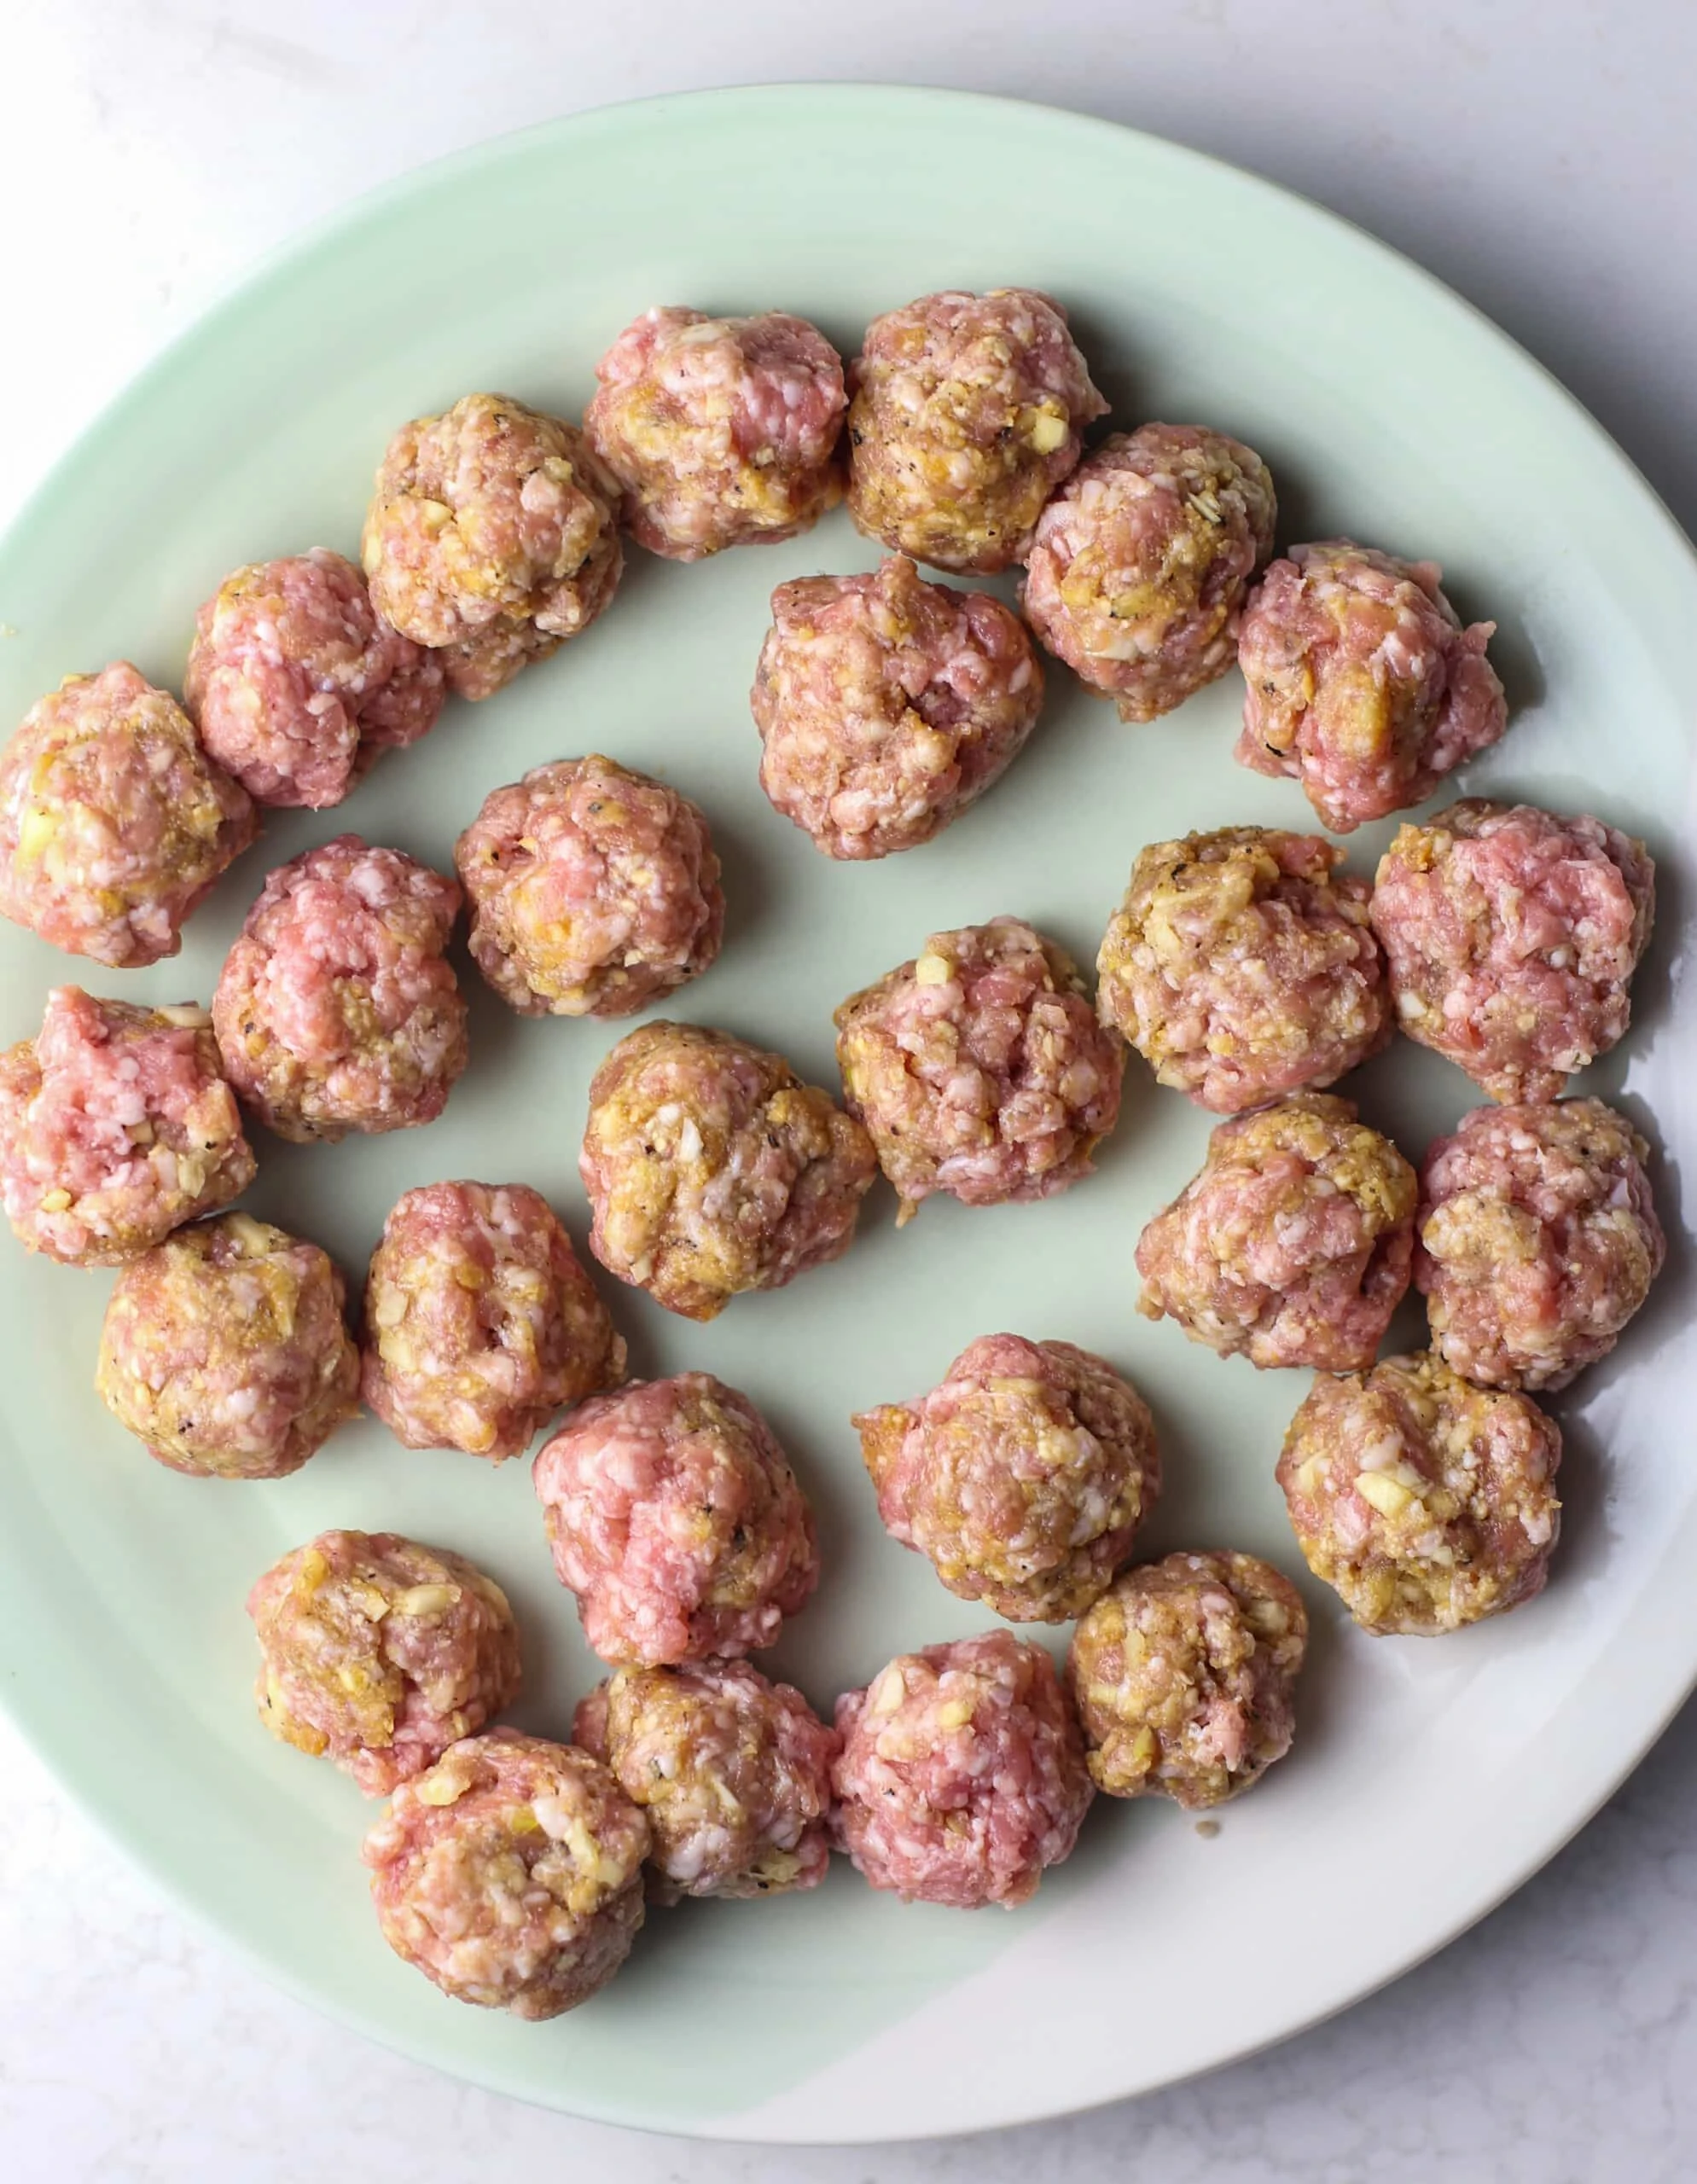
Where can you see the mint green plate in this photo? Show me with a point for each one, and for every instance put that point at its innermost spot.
(1429, 1778)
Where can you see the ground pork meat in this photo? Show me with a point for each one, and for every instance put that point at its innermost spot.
(1024, 1478)
(1184, 1674)
(1241, 967)
(1538, 1240)
(1425, 1502)
(979, 1068)
(378, 1653)
(1137, 574)
(1512, 935)
(224, 1350)
(114, 822)
(967, 413)
(1362, 683)
(116, 1127)
(1292, 1245)
(677, 1521)
(593, 890)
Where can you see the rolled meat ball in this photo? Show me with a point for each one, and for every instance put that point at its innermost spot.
(712, 1169)
(732, 1771)
(1184, 1675)
(1024, 1478)
(1538, 1240)
(593, 890)
(1292, 1245)
(479, 1321)
(886, 706)
(962, 1775)
(114, 822)
(377, 1653)
(1137, 573)
(510, 1874)
(116, 1127)
(723, 431)
(224, 1350)
(1362, 683)
(492, 537)
(1511, 935)
(1426, 1503)
(337, 1008)
(297, 684)
(967, 412)
(979, 1068)
(676, 1519)
(1242, 967)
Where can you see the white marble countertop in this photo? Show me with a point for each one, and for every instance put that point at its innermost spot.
(1536, 154)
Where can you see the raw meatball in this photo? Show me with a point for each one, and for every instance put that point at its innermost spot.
(1362, 685)
(1292, 1247)
(723, 431)
(1137, 573)
(337, 1009)
(979, 1068)
(493, 537)
(962, 1774)
(511, 1874)
(1183, 1674)
(296, 683)
(733, 1772)
(967, 413)
(593, 890)
(1024, 1478)
(379, 1653)
(1512, 935)
(480, 1322)
(1538, 1240)
(675, 1518)
(224, 1350)
(1426, 1503)
(1241, 967)
(713, 1169)
(887, 705)
(116, 1127)
(114, 822)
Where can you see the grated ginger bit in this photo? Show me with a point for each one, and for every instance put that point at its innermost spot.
(426, 1599)
(1389, 1497)
(55, 1201)
(933, 970)
(441, 1788)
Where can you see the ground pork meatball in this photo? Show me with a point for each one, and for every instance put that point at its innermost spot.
(967, 413)
(1362, 683)
(1292, 1245)
(712, 1169)
(378, 1653)
(1137, 573)
(224, 1350)
(493, 537)
(1425, 1502)
(1241, 967)
(1183, 1673)
(593, 890)
(337, 1009)
(114, 822)
(510, 1873)
(732, 1771)
(116, 1127)
(887, 705)
(676, 1519)
(479, 1321)
(979, 1068)
(1512, 935)
(1538, 1240)
(1024, 1478)
(962, 1774)
(723, 431)
(296, 683)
